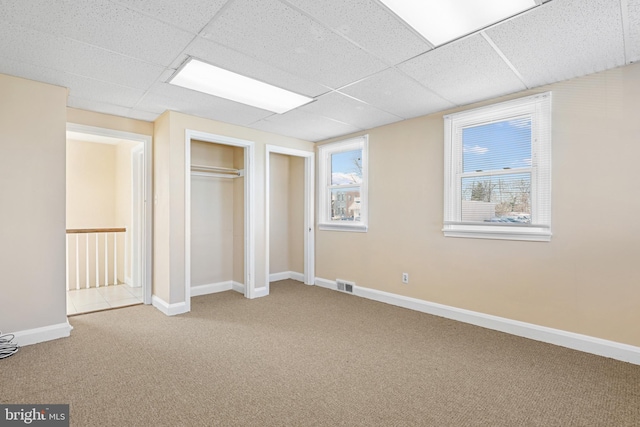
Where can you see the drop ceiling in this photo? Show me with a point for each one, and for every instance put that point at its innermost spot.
(363, 66)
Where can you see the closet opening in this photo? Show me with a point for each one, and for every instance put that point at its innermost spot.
(289, 215)
(218, 215)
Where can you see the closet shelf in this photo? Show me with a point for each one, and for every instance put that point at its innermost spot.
(216, 171)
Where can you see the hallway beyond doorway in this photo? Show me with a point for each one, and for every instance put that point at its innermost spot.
(80, 301)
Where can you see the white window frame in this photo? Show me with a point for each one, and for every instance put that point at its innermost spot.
(538, 107)
(324, 185)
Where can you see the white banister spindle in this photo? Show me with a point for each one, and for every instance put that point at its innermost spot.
(97, 264)
(66, 245)
(86, 259)
(77, 263)
(115, 258)
(106, 259)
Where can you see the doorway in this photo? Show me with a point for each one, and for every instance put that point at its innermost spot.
(108, 219)
(299, 215)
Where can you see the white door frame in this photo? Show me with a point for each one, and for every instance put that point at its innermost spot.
(309, 209)
(249, 208)
(147, 140)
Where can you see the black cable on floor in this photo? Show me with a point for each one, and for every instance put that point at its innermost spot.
(7, 348)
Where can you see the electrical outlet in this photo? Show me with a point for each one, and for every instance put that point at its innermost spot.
(405, 277)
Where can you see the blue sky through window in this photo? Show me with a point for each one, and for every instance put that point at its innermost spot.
(344, 168)
(497, 146)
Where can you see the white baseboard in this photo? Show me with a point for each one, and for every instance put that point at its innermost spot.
(585, 343)
(46, 333)
(324, 283)
(211, 288)
(238, 287)
(260, 292)
(169, 309)
(284, 275)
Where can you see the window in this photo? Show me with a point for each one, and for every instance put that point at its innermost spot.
(498, 171)
(343, 171)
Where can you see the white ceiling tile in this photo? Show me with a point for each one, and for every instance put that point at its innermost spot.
(101, 23)
(633, 44)
(299, 124)
(368, 24)
(100, 107)
(142, 115)
(394, 92)
(348, 110)
(63, 54)
(283, 37)
(164, 96)
(190, 15)
(85, 88)
(229, 59)
(80, 87)
(563, 39)
(465, 71)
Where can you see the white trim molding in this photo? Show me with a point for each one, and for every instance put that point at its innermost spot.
(45, 333)
(284, 275)
(584, 343)
(261, 292)
(169, 309)
(238, 287)
(213, 288)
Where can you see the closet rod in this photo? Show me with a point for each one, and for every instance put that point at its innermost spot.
(216, 169)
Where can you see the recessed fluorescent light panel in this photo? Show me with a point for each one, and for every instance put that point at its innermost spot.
(441, 21)
(203, 77)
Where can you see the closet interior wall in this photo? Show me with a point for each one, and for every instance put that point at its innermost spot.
(217, 215)
(286, 216)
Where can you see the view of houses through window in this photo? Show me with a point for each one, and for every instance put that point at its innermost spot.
(496, 172)
(346, 179)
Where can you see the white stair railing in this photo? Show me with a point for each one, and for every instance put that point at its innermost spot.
(74, 263)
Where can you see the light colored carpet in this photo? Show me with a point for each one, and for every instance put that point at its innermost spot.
(307, 356)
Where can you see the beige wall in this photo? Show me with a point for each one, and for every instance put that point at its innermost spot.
(169, 190)
(279, 213)
(238, 218)
(123, 212)
(585, 280)
(108, 121)
(296, 214)
(286, 216)
(212, 216)
(32, 218)
(162, 255)
(91, 189)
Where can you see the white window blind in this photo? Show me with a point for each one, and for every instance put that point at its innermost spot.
(498, 171)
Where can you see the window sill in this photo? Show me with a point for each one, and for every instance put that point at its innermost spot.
(357, 228)
(532, 234)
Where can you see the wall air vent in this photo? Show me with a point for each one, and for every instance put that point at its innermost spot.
(345, 285)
